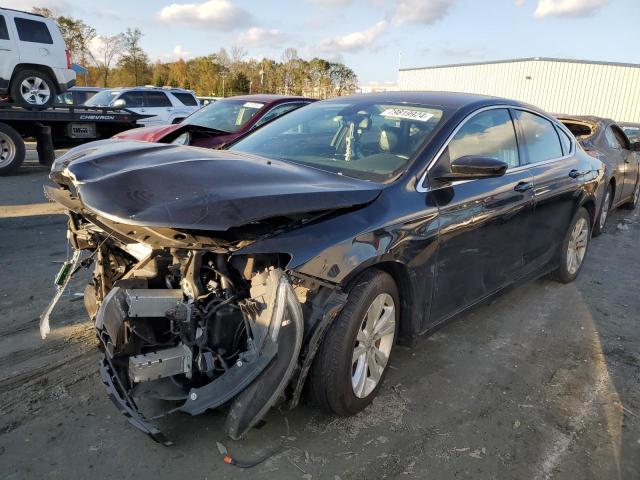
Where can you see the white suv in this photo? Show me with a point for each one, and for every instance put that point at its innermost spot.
(167, 105)
(35, 65)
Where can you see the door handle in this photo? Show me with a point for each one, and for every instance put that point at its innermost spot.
(523, 186)
(575, 173)
(5, 50)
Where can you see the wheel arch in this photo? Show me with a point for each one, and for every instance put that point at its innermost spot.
(589, 204)
(40, 68)
(399, 272)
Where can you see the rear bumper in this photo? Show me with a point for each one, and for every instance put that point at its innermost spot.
(65, 79)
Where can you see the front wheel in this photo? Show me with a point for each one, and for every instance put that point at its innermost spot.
(352, 361)
(574, 247)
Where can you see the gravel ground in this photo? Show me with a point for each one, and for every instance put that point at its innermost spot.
(541, 383)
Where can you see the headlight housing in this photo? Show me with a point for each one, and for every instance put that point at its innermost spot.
(182, 139)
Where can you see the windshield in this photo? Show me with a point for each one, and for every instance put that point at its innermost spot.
(102, 99)
(371, 141)
(225, 115)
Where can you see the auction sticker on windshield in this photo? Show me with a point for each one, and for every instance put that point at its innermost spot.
(407, 114)
(253, 105)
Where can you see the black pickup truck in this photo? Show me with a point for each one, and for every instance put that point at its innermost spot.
(56, 127)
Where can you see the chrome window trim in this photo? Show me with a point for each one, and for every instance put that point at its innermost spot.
(420, 187)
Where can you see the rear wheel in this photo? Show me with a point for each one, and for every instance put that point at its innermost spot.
(33, 89)
(352, 361)
(12, 150)
(574, 247)
(633, 203)
(601, 222)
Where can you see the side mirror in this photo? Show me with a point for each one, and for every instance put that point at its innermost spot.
(471, 167)
(119, 103)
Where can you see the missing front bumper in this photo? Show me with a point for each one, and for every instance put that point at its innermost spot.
(251, 386)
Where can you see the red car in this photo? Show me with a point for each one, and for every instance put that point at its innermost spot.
(221, 122)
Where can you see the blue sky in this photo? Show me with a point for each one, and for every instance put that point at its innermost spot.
(371, 36)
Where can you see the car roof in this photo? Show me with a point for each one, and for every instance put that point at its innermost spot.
(446, 100)
(149, 89)
(80, 89)
(266, 97)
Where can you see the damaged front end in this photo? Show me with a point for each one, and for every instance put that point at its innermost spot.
(184, 313)
(194, 325)
(178, 329)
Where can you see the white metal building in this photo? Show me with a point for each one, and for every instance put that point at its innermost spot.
(574, 87)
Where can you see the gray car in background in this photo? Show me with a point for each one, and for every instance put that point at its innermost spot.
(605, 140)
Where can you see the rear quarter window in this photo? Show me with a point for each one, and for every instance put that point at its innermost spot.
(33, 31)
(186, 99)
(565, 141)
(4, 32)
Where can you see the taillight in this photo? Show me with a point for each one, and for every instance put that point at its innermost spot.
(68, 52)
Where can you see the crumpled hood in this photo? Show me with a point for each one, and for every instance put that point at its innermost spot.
(165, 185)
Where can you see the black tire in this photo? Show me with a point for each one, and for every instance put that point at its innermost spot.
(563, 274)
(633, 202)
(601, 222)
(23, 100)
(12, 150)
(330, 380)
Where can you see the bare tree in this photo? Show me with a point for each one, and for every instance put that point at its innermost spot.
(238, 54)
(104, 52)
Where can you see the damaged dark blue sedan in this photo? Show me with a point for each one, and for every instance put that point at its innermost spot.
(293, 262)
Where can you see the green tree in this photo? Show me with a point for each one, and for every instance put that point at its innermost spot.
(134, 59)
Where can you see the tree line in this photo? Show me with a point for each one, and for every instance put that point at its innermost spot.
(120, 60)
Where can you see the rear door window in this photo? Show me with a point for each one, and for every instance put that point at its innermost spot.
(4, 31)
(33, 31)
(186, 99)
(488, 134)
(157, 99)
(541, 141)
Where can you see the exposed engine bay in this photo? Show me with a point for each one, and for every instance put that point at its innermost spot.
(199, 328)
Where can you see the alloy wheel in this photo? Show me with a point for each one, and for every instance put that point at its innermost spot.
(34, 90)
(577, 247)
(7, 150)
(373, 345)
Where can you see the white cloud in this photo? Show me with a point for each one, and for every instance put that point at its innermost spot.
(258, 36)
(568, 8)
(177, 53)
(519, 3)
(218, 14)
(354, 41)
(421, 11)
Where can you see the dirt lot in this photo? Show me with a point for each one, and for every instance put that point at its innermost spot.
(542, 383)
